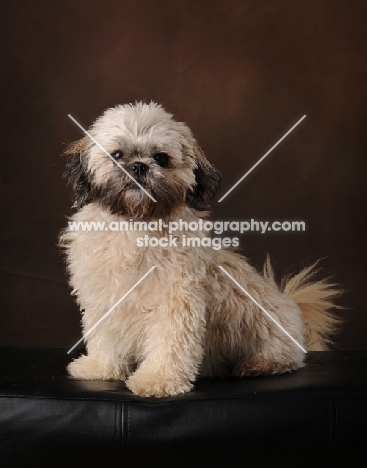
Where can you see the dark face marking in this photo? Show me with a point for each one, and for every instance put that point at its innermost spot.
(81, 181)
(123, 197)
(207, 182)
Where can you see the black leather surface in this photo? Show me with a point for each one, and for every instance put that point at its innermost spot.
(315, 417)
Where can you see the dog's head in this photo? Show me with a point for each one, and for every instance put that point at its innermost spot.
(140, 143)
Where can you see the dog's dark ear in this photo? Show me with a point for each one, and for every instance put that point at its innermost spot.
(207, 182)
(76, 174)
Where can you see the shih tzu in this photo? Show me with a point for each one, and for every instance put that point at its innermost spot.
(187, 317)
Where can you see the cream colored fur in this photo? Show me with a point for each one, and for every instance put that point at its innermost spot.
(187, 318)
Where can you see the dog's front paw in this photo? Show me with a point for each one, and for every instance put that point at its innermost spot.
(89, 368)
(151, 384)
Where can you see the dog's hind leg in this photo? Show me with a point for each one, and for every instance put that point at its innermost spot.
(257, 366)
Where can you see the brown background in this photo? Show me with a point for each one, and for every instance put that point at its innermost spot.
(240, 73)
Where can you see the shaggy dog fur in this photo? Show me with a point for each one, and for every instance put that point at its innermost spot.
(187, 317)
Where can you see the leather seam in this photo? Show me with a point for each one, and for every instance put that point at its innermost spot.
(123, 435)
(331, 434)
(336, 423)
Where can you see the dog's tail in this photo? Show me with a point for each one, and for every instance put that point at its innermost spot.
(316, 299)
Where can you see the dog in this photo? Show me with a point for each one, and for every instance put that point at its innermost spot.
(191, 315)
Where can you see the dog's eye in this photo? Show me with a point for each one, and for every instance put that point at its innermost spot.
(161, 159)
(117, 154)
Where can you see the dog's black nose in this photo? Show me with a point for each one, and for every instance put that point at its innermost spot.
(139, 168)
